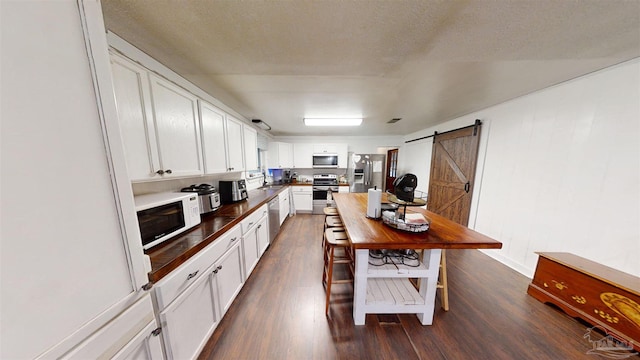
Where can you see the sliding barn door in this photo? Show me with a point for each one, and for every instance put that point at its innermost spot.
(453, 168)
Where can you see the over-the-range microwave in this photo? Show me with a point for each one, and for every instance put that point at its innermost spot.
(325, 160)
(164, 215)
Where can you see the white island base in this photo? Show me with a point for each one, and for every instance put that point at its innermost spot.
(387, 290)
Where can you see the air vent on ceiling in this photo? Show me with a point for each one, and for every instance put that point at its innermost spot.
(394, 120)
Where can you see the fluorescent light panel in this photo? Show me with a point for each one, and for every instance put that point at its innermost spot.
(332, 121)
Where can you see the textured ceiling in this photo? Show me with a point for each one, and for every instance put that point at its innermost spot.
(423, 61)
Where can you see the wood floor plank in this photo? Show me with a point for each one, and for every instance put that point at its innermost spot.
(279, 314)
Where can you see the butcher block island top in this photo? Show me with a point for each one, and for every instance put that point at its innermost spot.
(365, 233)
(167, 256)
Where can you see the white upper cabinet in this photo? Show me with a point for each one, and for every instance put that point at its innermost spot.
(213, 139)
(325, 148)
(302, 155)
(221, 140)
(177, 128)
(250, 148)
(133, 97)
(235, 149)
(280, 155)
(159, 121)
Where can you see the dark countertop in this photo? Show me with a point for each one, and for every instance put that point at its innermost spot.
(167, 256)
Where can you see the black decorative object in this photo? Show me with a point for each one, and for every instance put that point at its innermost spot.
(405, 186)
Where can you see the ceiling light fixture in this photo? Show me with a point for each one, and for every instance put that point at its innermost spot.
(332, 121)
(261, 124)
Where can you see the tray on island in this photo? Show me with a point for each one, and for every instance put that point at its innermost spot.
(412, 222)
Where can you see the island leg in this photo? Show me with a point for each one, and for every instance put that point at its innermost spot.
(428, 285)
(360, 286)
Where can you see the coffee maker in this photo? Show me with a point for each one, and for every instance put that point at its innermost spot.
(286, 176)
(232, 191)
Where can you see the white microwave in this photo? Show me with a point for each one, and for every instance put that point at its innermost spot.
(325, 160)
(164, 215)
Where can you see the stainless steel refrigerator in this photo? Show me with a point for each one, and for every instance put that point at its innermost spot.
(365, 171)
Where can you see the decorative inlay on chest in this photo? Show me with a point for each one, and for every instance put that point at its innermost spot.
(598, 294)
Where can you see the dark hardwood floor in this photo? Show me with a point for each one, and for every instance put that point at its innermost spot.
(279, 314)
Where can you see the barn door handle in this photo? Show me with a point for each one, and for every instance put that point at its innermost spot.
(466, 187)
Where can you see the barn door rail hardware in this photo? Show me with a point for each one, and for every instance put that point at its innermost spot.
(475, 125)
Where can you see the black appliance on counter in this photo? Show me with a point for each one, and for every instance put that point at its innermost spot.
(208, 197)
(404, 187)
(232, 191)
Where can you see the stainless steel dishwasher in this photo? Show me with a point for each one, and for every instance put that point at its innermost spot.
(274, 218)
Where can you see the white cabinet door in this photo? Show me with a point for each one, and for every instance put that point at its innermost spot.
(280, 155)
(283, 198)
(135, 116)
(190, 320)
(144, 346)
(235, 148)
(325, 148)
(303, 155)
(343, 189)
(262, 233)
(250, 242)
(177, 128)
(250, 148)
(286, 155)
(228, 277)
(213, 139)
(302, 198)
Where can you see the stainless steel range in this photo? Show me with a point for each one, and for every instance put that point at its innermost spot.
(323, 186)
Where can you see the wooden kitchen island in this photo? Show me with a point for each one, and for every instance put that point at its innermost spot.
(386, 289)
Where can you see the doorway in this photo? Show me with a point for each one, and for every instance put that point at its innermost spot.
(453, 167)
(392, 169)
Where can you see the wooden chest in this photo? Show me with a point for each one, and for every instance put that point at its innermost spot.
(598, 294)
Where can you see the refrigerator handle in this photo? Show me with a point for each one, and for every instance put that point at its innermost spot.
(366, 173)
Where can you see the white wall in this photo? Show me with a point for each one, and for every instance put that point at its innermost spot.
(559, 171)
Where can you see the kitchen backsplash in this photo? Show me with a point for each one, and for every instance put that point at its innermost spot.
(177, 184)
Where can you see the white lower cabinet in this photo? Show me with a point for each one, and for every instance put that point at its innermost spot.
(255, 237)
(283, 198)
(131, 335)
(228, 277)
(145, 345)
(189, 319)
(302, 198)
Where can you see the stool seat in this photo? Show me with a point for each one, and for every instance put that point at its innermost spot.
(333, 221)
(330, 211)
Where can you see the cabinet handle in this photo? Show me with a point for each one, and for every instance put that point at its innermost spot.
(234, 239)
(192, 275)
(259, 226)
(466, 187)
(147, 286)
(168, 171)
(156, 331)
(219, 267)
(215, 271)
(251, 223)
(160, 172)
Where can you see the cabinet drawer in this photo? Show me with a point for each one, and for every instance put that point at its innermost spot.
(171, 286)
(253, 219)
(302, 189)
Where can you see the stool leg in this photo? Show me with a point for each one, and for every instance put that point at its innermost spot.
(329, 279)
(443, 280)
